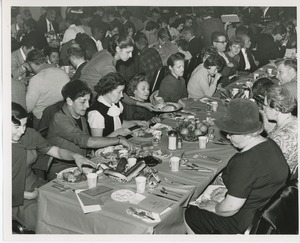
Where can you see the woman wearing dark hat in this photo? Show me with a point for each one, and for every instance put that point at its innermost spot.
(251, 177)
(68, 128)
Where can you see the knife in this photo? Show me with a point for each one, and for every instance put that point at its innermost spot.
(57, 183)
(158, 195)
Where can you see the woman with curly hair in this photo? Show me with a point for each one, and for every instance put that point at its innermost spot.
(105, 115)
(138, 88)
(278, 107)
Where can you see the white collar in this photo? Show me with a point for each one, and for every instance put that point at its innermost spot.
(103, 101)
(79, 64)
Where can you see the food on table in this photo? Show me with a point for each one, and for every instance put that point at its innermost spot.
(142, 132)
(136, 169)
(125, 175)
(161, 153)
(74, 174)
(191, 129)
(167, 107)
(121, 165)
(112, 153)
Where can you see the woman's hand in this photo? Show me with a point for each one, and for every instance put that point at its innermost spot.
(146, 105)
(122, 132)
(230, 65)
(141, 123)
(127, 144)
(217, 77)
(155, 119)
(31, 195)
(182, 103)
(81, 160)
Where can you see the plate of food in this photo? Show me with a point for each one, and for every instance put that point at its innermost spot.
(111, 153)
(144, 133)
(162, 153)
(73, 175)
(167, 107)
(122, 195)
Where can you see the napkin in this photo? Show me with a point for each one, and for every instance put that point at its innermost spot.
(206, 195)
(88, 205)
(155, 204)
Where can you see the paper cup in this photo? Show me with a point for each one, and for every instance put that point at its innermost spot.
(203, 140)
(255, 76)
(234, 91)
(214, 105)
(140, 184)
(174, 163)
(131, 161)
(270, 70)
(92, 179)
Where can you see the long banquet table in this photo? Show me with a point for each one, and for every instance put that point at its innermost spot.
(61, 213)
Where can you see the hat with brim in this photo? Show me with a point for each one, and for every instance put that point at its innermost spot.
(242, 117)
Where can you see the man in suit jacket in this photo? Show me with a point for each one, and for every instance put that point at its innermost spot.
(47, 22)
(76, 57)
(209, 25)
(18, 65)
(247, 61)
(269, 46)
(195, 45)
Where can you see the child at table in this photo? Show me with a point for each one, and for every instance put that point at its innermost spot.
(138, 89)
(52, 55)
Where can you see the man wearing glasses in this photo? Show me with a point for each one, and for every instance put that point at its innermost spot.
(219, 42)
(271, 46)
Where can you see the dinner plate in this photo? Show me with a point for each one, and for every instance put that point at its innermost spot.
(162, 153)
(142, 134)
(61, 178)
(175, 106)
(122, 195)
(109, 153)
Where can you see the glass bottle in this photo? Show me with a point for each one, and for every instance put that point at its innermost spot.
(172, 142)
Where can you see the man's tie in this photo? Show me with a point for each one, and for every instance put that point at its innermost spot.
(50, 26)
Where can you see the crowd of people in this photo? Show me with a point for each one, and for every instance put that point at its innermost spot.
(88, 77)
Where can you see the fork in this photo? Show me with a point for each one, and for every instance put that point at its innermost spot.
(216, 159)
(142, 213)
(175, 182)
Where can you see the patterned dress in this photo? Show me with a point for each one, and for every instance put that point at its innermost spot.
(287, 139)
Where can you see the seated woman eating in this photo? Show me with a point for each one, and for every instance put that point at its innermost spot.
(173, 86)
(26, 144)
(278, 106)
(251, 177)
(105, 115)
(138, 89)
(205, 77)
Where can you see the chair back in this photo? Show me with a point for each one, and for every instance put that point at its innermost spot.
(159, 76)
(280, 215)
(47, 116)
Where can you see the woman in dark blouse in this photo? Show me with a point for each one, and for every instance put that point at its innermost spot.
(173, 86)
(26, 145)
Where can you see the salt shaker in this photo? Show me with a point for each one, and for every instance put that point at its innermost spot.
(172, 144)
